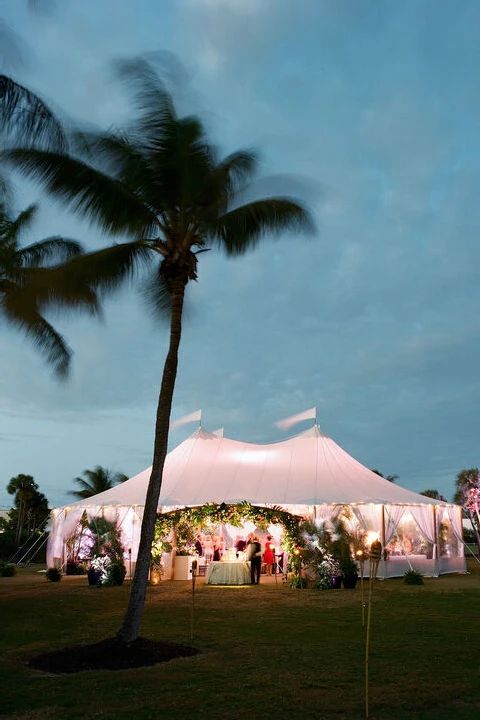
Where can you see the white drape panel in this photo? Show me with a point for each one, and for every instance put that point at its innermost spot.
(369, 516)
(71, 521)
(393, 515)
(423, 516)
(327, 512)
(455, 517)
(55, 539)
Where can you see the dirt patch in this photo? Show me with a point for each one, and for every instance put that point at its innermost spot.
(110, 654)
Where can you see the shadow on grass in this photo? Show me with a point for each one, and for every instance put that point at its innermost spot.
(109, 654)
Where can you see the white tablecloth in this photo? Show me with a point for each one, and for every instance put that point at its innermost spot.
(223, 573)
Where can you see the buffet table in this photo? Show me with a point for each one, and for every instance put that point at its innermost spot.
(228, 573)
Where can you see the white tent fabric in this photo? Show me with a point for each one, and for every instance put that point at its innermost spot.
(307, 470)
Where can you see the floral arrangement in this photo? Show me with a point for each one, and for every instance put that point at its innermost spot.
(101, 563)
(325, 549)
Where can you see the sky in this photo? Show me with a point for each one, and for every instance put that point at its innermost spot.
(371, 111)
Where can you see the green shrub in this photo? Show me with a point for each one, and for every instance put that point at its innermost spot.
(7, 570)
(297, 582)
(413, 577)
(116, 574)
(53, 574)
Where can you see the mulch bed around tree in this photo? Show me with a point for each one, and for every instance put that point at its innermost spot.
(109, 654)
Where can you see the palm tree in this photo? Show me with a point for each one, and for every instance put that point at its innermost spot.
(161, 182)
(27, 500)
(32, 279)
(390, 478)
(434, 494)
(97, 481)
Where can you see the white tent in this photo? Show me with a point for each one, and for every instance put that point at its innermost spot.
(306, 474)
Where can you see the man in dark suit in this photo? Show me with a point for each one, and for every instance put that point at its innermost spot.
(199, 545)
(255, 557)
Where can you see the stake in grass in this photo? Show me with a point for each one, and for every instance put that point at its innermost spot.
(375, 555)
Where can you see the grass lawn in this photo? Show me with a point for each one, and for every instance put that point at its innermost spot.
(267, 651)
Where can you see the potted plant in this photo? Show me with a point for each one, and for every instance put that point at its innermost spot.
(349, 571)
(159, 546)
(184, 550)
(106, 563)
(53, 574)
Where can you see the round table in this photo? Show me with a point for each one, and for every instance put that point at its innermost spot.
(225, 573)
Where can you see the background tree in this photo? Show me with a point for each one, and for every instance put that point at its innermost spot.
(434, 494)
(31, 506)
(97, 481)
(467, 494)
(390, 478)
(162, 182)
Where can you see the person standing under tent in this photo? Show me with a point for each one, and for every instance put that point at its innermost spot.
(240, 545)
(269, 555)
(208, 548)
(216, 548)
(199, 545)
(255, 557)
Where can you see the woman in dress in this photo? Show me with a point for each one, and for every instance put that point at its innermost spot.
(208, 548)
(269, 555)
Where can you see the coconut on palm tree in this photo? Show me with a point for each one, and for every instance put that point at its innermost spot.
(96, 481)
(162, 183)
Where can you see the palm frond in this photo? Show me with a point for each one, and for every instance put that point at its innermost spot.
(242, 228)
(118, 155)
(236, 169)
(54, 249)
(49, 342)
(180, 161)
(157, 296)
(26, 119)
(224, 181)
(98, 196)
(20, 223)
(58, 287)
(106, 269)
(153, 101)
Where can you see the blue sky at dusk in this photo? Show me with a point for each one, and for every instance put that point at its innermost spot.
(372, 110)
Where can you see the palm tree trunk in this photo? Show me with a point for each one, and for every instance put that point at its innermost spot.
(131, 622)
(20, 520)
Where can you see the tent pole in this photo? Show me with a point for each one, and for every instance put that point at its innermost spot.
(436, 548)
(384, 563)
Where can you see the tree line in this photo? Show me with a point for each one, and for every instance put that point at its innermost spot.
(30, 511)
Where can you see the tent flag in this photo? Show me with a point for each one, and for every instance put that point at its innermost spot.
(287, 423)
(193, 417)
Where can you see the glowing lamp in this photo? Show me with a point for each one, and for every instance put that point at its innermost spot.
(154, 577)
(376, 551)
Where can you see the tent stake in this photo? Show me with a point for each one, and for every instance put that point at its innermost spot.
(194, 575)
(375, 556)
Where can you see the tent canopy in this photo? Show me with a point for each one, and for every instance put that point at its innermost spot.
(308, 469)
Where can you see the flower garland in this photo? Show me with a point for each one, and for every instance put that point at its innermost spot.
(223, 514)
